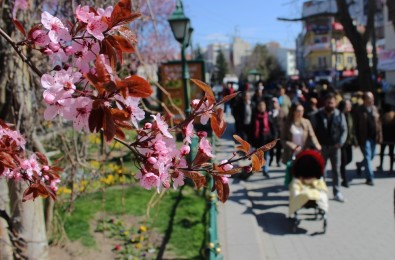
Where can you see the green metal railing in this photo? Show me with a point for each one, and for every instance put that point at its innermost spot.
(213, 247)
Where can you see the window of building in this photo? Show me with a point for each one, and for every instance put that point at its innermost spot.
(322, 61)
(339, 60)
(350, 61)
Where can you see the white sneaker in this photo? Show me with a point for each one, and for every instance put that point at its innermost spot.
(339, 197)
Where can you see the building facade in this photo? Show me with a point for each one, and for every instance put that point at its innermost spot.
(285, 56)
(387, 57)
(324, 52)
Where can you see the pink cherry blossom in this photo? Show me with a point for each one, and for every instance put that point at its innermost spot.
(188, 132)
(40, 38)
(179, 180)
(132, 103)
(57, 31)
(19, 5)
(30, 166)
(162, 125)
(59, 86)
(149, 180)
(184, 150)
(205, 147)
(84, 51)
(226, 166)
(53, 110)
(105, 13)
(96, 27)
(163, 177)
(83, 14)
(78, 110)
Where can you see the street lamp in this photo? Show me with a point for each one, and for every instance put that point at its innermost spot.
(182, 31)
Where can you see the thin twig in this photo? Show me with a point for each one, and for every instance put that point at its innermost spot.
(19, 52)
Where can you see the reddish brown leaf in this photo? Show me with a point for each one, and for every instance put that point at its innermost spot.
(124, 124)
(193, 175)
(95, 82)
(7, 160)
(42, 158)
(19, 26)
(222, 189)
(268, 146)
(199, 183)
(101, 71)
(228, 98)
(256, 164)
(207, 90)
(34, 191)
(121, 115)
(230, 172)
(109, 49)
(124, 45)
(122, 13)
(96, 116)
(200, 159)
(109, 128)
(244, 147)
(134, 86)
(218, 123)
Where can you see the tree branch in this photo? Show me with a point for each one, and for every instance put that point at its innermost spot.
(370, 21)
(19, 52)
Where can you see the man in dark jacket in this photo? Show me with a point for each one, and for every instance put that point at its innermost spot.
(368, 130)
(331, 130)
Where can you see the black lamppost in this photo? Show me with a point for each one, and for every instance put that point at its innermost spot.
(182, 31)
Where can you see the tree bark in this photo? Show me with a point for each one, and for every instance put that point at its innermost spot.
(391, 11)
(29, 239)
(5, 242)
(358, 41)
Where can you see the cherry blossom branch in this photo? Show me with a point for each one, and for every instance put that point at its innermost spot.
(19, 52)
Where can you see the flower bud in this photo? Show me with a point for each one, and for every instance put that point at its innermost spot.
(247, 169)
(147, 126)
(202, 134)
(152, 160)
(185, 149)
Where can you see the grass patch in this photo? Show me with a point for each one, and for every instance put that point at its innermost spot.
(188, 230)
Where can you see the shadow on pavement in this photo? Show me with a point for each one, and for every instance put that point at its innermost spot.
(276, 223)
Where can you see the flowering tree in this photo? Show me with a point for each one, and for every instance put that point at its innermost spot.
(82, 86)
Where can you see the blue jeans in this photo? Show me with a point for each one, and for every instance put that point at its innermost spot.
(368, 149)
(333, 154)
(266, 156)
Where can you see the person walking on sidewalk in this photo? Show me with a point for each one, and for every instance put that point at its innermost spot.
(387, 126)
(368, 130)
(331, 129)
(297, 133)
(345, 107)
(278, 116)
(262, 131)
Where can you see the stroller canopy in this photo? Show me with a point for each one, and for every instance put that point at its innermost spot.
(308, 164)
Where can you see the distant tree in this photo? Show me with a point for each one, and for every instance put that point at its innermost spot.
(359, 40)
(198, 54)
(391, 11)
(221, 66)
(265, 63)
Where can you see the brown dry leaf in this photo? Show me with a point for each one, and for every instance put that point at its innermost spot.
(207, 90)
(244, 147)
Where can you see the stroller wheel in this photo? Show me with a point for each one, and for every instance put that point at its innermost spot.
(325, 224)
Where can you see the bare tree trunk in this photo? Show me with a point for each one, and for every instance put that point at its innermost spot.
(5, 243)
(358, 41)
(391, 11)
(27, 218)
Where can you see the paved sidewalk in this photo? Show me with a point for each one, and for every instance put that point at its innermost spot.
(253, 224)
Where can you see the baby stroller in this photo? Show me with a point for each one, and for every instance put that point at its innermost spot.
(307, 187)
